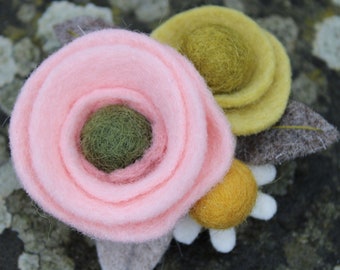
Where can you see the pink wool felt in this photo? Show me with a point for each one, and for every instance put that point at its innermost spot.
(192, 145)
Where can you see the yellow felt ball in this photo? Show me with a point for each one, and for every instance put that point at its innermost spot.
(229, 202)
(221, 56)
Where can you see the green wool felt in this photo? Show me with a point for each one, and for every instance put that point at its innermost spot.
(221, 56)
(115, 137)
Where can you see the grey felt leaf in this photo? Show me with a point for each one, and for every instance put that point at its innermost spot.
(132, 256)
(71, 29)
(300, 132)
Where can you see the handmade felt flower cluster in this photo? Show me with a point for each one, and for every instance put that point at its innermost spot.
(128, 140)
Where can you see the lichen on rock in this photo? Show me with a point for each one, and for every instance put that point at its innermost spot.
(284, 28)
(304, 89)
(8, 67)
(42, 235)
(145, 10)
(28, 261)
(26, 13)
(5, 217)
(235, 4)
(59, 12)
(8, 95)
(4, 155)
(26, 55)
(326, 44)
(8, 180)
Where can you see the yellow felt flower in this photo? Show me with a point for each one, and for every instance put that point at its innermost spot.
(246, 68)
(228, 204)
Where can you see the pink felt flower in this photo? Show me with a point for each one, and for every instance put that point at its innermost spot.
(191, 148)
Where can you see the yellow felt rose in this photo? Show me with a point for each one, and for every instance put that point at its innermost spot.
(246, 68)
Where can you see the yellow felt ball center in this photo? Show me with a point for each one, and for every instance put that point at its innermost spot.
(221, 56)
(229, 202)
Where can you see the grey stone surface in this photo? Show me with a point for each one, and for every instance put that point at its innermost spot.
(28, 261)
(4, 155)
(283, 28)
(304, 89)
(26, 55)
(8, 95)
(152, 10)
(10, 249)
(304, 234)
(5, 217)
(145, 10)
(42, 235)
(235, 4)
(26, 12)
(327, 41)
(125, 5)
(8, 67)
(8, 180)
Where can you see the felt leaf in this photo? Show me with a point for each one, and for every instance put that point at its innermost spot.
(132, 256)
(77, 27)
(300, 132)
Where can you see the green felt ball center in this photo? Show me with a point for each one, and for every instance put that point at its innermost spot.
(221, 56)
(114, 137)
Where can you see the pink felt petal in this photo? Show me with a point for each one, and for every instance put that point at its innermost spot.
(191, 150)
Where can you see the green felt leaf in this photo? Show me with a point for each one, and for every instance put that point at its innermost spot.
(300, 132)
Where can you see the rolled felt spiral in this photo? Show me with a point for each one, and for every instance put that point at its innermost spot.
(246, 68)
(191, 145)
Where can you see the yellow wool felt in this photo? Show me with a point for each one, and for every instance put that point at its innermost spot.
(226, 61)
(269, 109)
(230, 201)
(259, 101)
(174, 31)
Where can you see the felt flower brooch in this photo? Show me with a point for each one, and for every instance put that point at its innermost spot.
(118, 135)
(128, 141)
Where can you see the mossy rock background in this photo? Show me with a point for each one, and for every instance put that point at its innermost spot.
(304, 234)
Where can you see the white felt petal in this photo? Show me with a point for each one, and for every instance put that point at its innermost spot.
(186, 230)
(223, 240)
(265, 207)
(263, 174)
